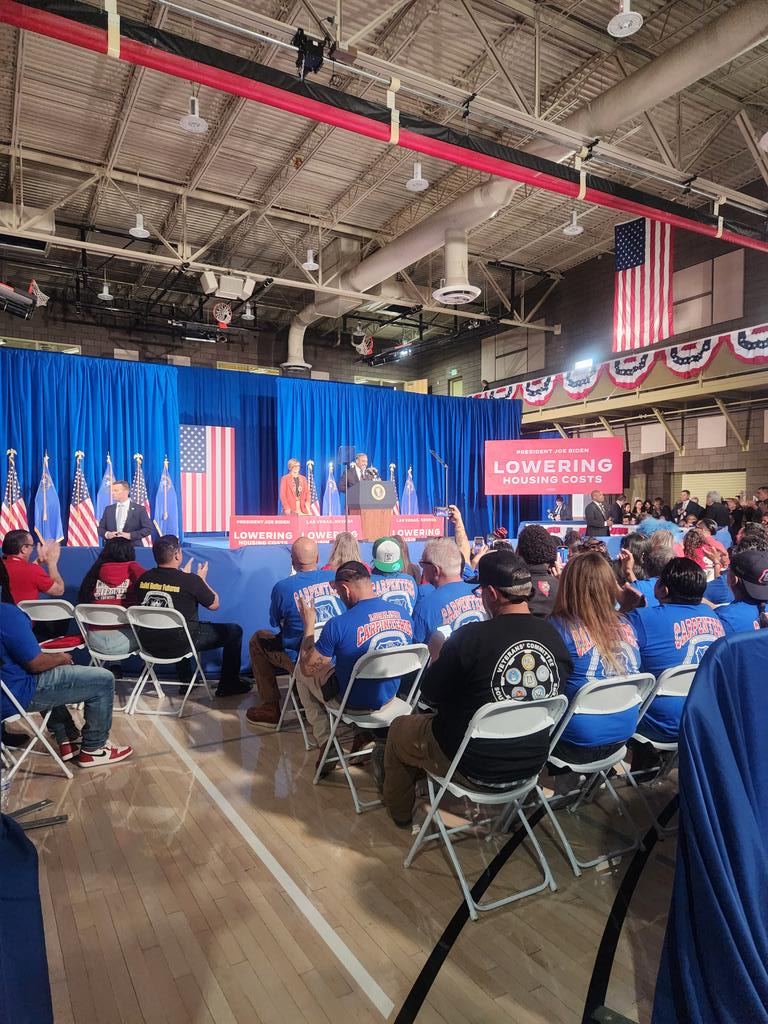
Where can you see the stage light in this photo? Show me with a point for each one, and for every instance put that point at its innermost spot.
(574, 228)
(583, 364)
(248, 313)
(417, 183)
(626, 22)
(309, 59)
(310, 263)
(138, 230)
(209, 282)
(105, 295)
(192, 122)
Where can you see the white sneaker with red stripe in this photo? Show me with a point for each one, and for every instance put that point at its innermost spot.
(68, 749)
(108, 754)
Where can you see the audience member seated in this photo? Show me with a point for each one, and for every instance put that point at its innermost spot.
(275, 653)
(677, 632)
(513, 656)
(601, 644)
(716, 509)
(653, 564)
(390, 579)
(450, 602)
(408, 566)
(660, 510)
(751, 537)
(538, 549)
(40, 680)
(710, 555)
(28, 579)
(188, 590)
(369, 624)
(748, 580)
(632, 570)
(112, 580)
(345, 549)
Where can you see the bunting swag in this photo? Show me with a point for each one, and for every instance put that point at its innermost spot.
(690, 359)
(508, 391)
(539, 391)
(631, 371)
(750, 346)
(580, 383)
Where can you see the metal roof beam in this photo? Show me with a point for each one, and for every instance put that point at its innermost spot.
(495, 56)
(753, 145)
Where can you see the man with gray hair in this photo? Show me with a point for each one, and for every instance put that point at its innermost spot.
(451, 604)
(716, 510)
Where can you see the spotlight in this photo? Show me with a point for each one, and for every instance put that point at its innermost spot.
(248, 313)
(417, 183)
(309, 59)
(626, 22)
(192, 122)
(310, 263)
(583, 364)
(105, 295)
(574, 228)
(138, 230)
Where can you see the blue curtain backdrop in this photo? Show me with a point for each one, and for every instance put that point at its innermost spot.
(316, 417)
(62, 403)
(247, 402)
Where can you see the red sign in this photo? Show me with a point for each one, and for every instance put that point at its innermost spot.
(418, 527)
(245, 530)
(554, 466)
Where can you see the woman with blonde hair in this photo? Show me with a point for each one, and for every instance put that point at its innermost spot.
(408, 565)
(345, 549)
(294, 491)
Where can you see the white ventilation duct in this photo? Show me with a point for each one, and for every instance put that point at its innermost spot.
(735, 32)
(455, 289)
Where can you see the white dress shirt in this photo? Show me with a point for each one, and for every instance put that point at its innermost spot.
(121, 514)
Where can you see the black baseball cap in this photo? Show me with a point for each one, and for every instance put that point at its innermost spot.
(349, 571)
(752, 569)
(502, 568)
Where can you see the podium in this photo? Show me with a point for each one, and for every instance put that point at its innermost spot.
(373, 501)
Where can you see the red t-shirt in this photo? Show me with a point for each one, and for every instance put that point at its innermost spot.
(115, 581)
(28, 579)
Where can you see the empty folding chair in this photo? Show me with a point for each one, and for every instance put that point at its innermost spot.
(50, 611)
(163, 638)
(392, 663)
(13, 758)
(611, 696)
(500, 722)
(291, 702)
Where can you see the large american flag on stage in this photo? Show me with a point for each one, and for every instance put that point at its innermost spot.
(642, 305)
(83, 529)
(138, 494)
(314, 500)
(207, 478)
(13, 514)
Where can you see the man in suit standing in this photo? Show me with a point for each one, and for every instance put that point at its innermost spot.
(598, 523)
(357, 471)
(124, 518)
(615, 509)
(685, 507)
(561, 513)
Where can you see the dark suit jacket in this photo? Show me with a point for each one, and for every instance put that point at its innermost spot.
(137, 522)
(614, 513)
(349, 478)
(563, 515)
(595, 521)
(718, 511)
(692, 509)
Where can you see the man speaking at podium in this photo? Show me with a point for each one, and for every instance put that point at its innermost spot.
(356, 472)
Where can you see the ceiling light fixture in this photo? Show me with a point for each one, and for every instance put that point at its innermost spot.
(105, 295)
(192, 122)
(574, 228)
(310, 263)
(138, 230)
(626, 22)
(417, 183)
(248, 313)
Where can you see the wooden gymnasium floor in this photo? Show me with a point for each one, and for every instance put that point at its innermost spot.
(207, 880)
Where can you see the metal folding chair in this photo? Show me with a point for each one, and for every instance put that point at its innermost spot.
(601, 697)
(153, 628)
(501, 722)
(100, 616)
(50, 610)
(291, 703)
(392, 663)
(13, 758)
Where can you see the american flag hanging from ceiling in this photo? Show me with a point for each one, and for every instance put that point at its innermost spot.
(642, 306)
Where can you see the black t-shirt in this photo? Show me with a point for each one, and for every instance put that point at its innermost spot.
(542, 599)
(185, 589)
(511, 657)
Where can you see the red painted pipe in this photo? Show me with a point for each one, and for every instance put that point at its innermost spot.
(87, 37)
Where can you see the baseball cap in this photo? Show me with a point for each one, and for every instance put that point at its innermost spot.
(387, 556)
(502, 568)
(349, 571)
(752, 569)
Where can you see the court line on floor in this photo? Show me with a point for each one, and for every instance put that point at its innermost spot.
(365, 981)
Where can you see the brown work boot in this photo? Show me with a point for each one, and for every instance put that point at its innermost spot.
(264, 714)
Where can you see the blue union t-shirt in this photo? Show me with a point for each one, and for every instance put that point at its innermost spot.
(672, 635)
(588, 665)
(372, 625)
(738, 617)
(17, 647)
(284, 614)
(448, 607)
(397, 587)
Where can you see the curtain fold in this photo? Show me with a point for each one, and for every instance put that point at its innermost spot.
(62, 403)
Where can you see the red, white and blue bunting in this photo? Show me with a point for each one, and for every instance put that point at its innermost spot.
(690, 359)
(508, 391)
(539, 391)
(751, 345)
(579, 383)
(631, 371)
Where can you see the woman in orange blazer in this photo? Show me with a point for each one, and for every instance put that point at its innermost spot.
(294, 491)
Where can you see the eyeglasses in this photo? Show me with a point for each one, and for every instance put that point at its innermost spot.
(424, 564)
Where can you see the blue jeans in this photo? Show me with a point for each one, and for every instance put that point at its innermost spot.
(71, 684)
(113, 641)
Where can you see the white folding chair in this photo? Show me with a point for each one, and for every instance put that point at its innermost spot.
(601, 697)
(51, 610)
(154, 628)
(392, 663)
(501, 722)
(291, 703)
(91, 617)
(14, 758)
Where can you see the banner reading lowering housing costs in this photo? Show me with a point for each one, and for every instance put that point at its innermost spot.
(554, 466)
